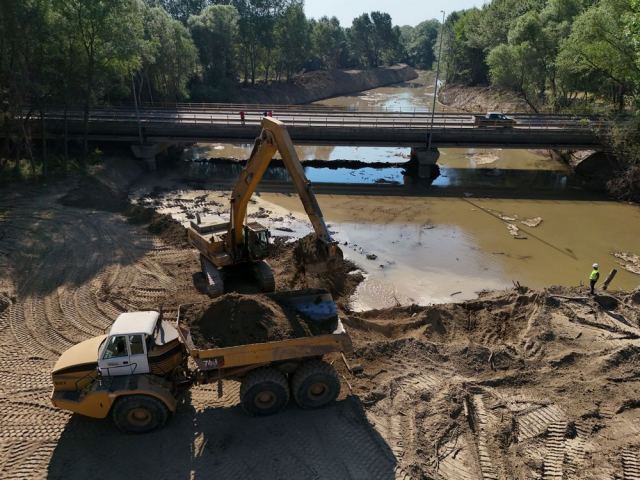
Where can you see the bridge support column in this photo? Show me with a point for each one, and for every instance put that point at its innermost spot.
(148, 153)
(427, 161)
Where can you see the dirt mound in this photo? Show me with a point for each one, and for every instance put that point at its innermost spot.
(236, 319)
(92, 193)
(170, 230)
(290, 275)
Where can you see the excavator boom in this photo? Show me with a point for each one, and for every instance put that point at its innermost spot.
(315, 254)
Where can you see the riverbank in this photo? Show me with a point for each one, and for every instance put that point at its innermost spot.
(320, 84)
(482, 99)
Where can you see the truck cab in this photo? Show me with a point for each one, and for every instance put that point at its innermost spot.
(133, 341)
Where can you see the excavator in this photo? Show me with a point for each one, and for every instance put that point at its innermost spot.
(238, 243)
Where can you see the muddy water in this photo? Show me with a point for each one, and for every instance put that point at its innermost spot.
(441, 249)
(428, 250)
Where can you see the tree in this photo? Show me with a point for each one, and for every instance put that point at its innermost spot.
(420, 43)
(361, 41)
(109, 33)
(599, 49)
(215, 32)
(170, 57)
(328, 42)
(181, 10)
(293, 39)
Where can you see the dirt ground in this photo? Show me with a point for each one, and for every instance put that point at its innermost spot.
(517, 384)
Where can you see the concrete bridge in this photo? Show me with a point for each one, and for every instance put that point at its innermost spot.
(151, 127)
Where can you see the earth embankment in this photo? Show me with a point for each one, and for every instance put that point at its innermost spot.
(317, 85)
(482, 99)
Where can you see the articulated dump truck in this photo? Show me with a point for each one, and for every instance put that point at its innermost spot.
(137, 371)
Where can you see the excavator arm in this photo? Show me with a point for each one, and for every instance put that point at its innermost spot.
(274, 137)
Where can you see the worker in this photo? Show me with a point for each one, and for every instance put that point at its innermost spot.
(593, 278)
(242, 116)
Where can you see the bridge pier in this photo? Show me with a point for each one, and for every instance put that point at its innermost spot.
(427, 161)
(148, 153)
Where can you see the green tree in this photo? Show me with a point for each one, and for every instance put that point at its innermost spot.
(293, 39)
(420, 43)
(215, 32)
(169, 57)
(181, 10)
(600, 53)
(110, 35)
(329, 42)
(360, 37)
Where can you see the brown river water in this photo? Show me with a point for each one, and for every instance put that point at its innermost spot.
(437, 249)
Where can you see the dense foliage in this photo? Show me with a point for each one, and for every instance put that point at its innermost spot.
(554, 53)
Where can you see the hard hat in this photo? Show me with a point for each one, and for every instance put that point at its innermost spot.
(595, 265)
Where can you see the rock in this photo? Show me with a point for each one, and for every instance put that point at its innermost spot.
(371, 256)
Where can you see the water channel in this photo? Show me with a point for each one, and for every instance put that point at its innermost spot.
(427, 249)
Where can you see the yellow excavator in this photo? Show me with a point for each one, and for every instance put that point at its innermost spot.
(237, 243)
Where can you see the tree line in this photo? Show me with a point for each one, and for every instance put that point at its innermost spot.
(556, 54)
(80, 53)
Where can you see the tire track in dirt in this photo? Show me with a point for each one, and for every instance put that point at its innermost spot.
(630, 464)
(555, 445)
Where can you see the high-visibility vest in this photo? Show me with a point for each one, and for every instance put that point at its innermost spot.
(595, 274)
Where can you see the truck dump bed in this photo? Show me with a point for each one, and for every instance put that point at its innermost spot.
(315, 305)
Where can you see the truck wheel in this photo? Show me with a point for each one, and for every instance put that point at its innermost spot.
(264, 276)
(315, 384)
(215, 283)
(139, 413)
(264, 391)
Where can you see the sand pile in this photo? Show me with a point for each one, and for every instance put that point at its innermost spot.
(236, 319)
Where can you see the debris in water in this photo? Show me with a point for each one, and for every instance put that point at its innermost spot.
(532, 222)
(514, 231)
(630, 262)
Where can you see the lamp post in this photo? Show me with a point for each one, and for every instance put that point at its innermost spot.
(435, 88)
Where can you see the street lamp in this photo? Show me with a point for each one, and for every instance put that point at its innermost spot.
(435, 88)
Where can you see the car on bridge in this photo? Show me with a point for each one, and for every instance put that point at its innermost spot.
(494, 119)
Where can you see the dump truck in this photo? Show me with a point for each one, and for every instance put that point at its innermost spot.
(238, 244)
(137, 371)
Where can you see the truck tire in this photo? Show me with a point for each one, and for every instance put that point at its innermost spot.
(264, 391)
(213, 277)
(139, 413)
(315, 384)
(264, 276)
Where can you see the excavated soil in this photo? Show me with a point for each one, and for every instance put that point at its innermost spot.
(236, 319)
(517, 384)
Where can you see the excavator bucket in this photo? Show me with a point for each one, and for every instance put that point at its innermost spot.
(316, 256)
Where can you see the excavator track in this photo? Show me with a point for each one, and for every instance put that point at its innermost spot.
(264, 276)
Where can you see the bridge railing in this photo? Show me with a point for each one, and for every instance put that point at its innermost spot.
(343, 120)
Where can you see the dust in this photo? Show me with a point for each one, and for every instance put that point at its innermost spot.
(236, 319)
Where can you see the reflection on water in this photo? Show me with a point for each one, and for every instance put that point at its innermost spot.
(521, 180)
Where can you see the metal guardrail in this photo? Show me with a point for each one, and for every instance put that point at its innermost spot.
(358, 121)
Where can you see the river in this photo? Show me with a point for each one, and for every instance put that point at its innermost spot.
(438, 249)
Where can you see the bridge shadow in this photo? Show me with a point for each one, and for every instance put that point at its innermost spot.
(335, 442)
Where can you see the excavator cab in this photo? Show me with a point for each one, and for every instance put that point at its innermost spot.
(257, 241)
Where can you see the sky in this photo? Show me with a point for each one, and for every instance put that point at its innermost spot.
(403, 12)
